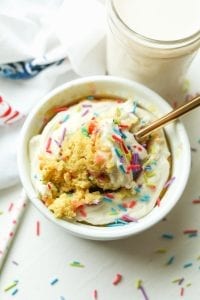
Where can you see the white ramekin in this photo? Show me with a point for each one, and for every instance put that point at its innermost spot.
(117, 87)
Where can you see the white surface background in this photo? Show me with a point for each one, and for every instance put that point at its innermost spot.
(42, 258)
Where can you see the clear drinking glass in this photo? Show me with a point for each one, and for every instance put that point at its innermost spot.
(161, 65)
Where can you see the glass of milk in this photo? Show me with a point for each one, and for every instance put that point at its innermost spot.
(153, 42)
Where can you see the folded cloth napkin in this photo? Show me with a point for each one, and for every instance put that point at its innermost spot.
(43, 43)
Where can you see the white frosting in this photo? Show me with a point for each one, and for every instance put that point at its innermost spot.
(69, 121)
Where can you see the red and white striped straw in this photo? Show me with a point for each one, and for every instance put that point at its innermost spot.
(15, 217)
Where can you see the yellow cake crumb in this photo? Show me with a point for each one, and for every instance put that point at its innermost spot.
(83, 164)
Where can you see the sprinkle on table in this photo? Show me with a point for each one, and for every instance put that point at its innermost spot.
(117, 279)
(187, 265)
(38, 228)
(168, 236)
(140, 287)
(176, 280)
(182, 292)
(11, 205)
(54, 281)
(170, 260)
(9, 287)
(95, 295)
(190, 231)
(196, 201)
(161, 250)
(76, 264)
(15, 263)
(195, 234)
(181, 281)
(188, 284)
(15, 292)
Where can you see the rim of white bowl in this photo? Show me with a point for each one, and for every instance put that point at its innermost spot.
(108, 233)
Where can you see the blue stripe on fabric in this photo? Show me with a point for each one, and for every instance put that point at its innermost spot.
(24, 69)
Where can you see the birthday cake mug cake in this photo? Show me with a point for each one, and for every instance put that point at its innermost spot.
(86, 165)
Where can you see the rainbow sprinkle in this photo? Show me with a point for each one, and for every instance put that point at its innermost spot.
(63, 136)
(182, 291)
(64, 119)
(59, 109)
(48, 146)
(37, 228)
(187, 265)
(90, 97)
(54, 281)
(140, 287)
(190, 231)
(168, 236)
(161, 250)
(85, 113)
(181, 281)
(121, 207)
(170, 260)
(11, 286)
(196, 201)
(177, 280)
(95, 295)
(11, 205)
(117, 279)
(86, 105)
(128, 218)
(15, 292)
(76, 264)
(120, 221)
(134, 107)
(84, 131)
(145, 198)
(169, 182)
(107, 199)
(121, 167)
